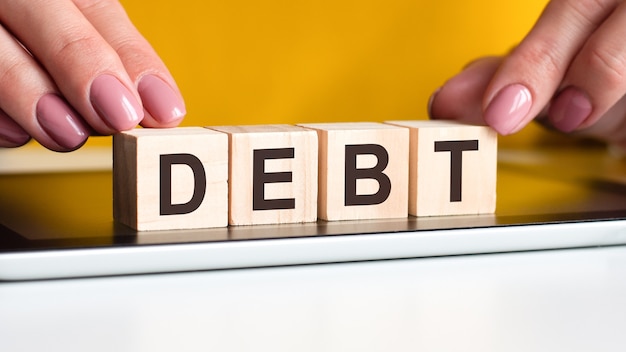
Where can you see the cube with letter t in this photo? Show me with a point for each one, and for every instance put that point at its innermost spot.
(273, 174)
(165, 179)
(363, 170)
(452, 168)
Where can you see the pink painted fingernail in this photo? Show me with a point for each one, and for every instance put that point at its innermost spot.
(570, 109)
(508, 109)
(160, 100)
(11, 132)
(61, 122)
(115, 104)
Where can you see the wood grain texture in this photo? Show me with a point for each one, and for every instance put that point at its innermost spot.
(335, 178)
(137, 178)
(431, 176)
(284, 176)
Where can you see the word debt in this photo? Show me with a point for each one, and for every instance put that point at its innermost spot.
(200, 177)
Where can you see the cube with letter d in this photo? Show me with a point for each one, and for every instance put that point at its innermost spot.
(166, 179)
(453, 168)
(363, 170)
(273, 174)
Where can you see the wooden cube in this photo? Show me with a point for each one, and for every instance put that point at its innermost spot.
(452, 168)
(165, 179)
(363, 170)
(273, 174)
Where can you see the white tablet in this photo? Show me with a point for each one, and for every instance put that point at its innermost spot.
(60, 225)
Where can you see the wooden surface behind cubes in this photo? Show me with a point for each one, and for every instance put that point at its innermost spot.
(143, 162)
(363, 171)
(452, 168)
(273, 174)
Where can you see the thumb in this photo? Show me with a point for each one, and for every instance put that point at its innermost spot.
(461, 97)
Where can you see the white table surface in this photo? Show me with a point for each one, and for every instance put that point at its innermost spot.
(556, 300)
(552, 300)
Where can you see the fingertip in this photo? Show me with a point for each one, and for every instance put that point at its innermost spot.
(61, 123)
(63, 149)
(11, 134)
(115, 103)
(570, 109)
(460, 98)
(6, 142)
(150, 122)
(508, 110)
(161, 101)
(429, 106)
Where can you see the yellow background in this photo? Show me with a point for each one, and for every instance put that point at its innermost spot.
(289, 61)
(297, 61)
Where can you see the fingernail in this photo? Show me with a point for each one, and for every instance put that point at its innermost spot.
(115, 104)
(430, 102)
(11, 132)
(160, 100)
(570, 109)
(61, 122)
(507, 110)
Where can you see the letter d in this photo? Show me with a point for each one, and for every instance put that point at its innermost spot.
(199, 175)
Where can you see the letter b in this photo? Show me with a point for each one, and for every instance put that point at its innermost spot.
(353, 190)
(376, 173)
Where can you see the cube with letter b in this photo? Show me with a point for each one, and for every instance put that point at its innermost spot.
(273, 174)
(452, 169)
(165, 179)
(363, 170)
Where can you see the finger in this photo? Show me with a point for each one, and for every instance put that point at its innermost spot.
(86, 69)
(460, 98)
(30, 99)
(611, 127)
(529, 77)
(162, 101)
(163, 106)
(11, 134)
(596, 79)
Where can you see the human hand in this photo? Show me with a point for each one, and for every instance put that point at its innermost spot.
(569, 71)
(72, 68)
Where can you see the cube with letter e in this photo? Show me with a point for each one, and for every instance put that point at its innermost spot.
(452, 168)
(165, 179)
(363, 170)
(273, 174)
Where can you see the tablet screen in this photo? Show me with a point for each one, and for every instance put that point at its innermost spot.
(74, 209)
